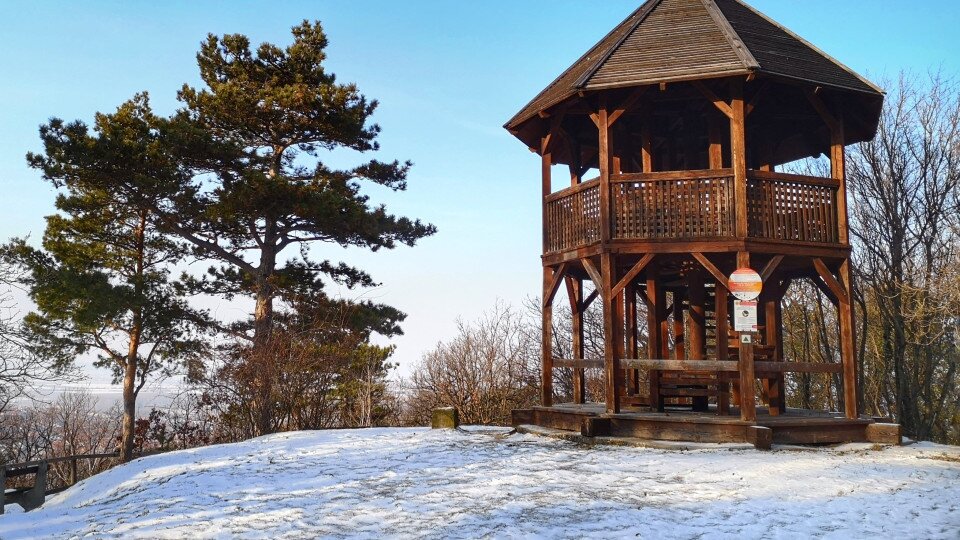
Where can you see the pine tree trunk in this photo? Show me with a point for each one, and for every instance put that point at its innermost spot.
(133, 352)
(262, 330)
(129, 407)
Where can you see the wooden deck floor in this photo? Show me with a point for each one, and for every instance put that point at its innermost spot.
(793, 427)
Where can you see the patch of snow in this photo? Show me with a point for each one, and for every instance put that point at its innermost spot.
(475, 482)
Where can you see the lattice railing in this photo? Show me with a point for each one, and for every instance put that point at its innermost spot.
(687, 204)
(791, 207)
(573, 217)
(694, 205)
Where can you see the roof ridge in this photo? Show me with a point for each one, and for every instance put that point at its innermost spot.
(811, 45)
(646, 8)
(578, 60)
(731, 35)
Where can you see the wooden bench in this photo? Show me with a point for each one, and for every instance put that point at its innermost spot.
(27, 497)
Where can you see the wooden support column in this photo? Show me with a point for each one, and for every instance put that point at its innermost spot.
(655, 298)
(612, 332)
(575, 295)
(771, 326)
(847, 339)
(546, 344)
(748, 403)
(604, 163)
(738, 157)
(723, 329)
(633, 376)
(678, 338)
(715, 152)
(697, 326)
(546, 186)
(646, 146)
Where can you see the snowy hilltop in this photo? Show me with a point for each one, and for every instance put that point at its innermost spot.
(411, 482)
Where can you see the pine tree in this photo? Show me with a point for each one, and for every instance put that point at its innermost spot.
(247, 137)
(101, 282)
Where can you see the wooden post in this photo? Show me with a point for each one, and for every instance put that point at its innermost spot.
(723, 330)
(604, 164)
(655, 309)
(715, 152)
(738, 157)
(546, 344)
(697, 326)
(678, 339)
(748, 405)
(845, 305)
(838, 172)
(646, 146)
(547, 312)
(633, 382)
(546, 186)
(847, 338)
(770, 334)
(748, 402)
(611, 332)
(575, 295)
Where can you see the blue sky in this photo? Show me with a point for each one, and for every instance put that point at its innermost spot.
(447, 75)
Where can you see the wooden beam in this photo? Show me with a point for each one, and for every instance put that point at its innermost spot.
(555, 284)
(589, 299)
(578, 363)
(720, 104)
(825, 290)
(631, 100)
(680, 365)
(830, 281)
(797, 367)
(633, 273)
(823, 111)
(594, 273)
(771, 265)
(714, 271)
(756, 97)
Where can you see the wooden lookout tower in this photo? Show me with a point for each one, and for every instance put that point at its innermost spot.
(686, 110)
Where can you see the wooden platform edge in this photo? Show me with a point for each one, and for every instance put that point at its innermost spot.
(679, 428)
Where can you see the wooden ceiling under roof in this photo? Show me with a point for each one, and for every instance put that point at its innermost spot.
(670, 41)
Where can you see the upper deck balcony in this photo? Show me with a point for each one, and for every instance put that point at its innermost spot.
(687, 206)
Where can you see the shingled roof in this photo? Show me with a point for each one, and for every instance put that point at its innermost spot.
(675, 40)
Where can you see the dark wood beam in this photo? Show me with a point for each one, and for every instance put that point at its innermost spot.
(633, 273)
(594, 273)
(829, 280)
(770, 267)
(710, 267)
(720, 104)
(557, 278)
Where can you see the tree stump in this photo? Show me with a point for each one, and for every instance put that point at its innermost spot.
(445, 418)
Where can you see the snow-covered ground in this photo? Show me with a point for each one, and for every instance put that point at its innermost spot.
(390, 483)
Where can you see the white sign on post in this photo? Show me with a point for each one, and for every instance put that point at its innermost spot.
(745, 315)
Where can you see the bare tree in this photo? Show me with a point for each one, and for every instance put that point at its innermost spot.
(905, 188)
(488, 369)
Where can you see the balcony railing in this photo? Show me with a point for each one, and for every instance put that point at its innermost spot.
(573, 216)
(694, 205)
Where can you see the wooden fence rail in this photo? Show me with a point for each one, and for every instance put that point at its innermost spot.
(33, 496)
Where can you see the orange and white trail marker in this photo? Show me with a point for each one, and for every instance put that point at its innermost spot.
(745, 284)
